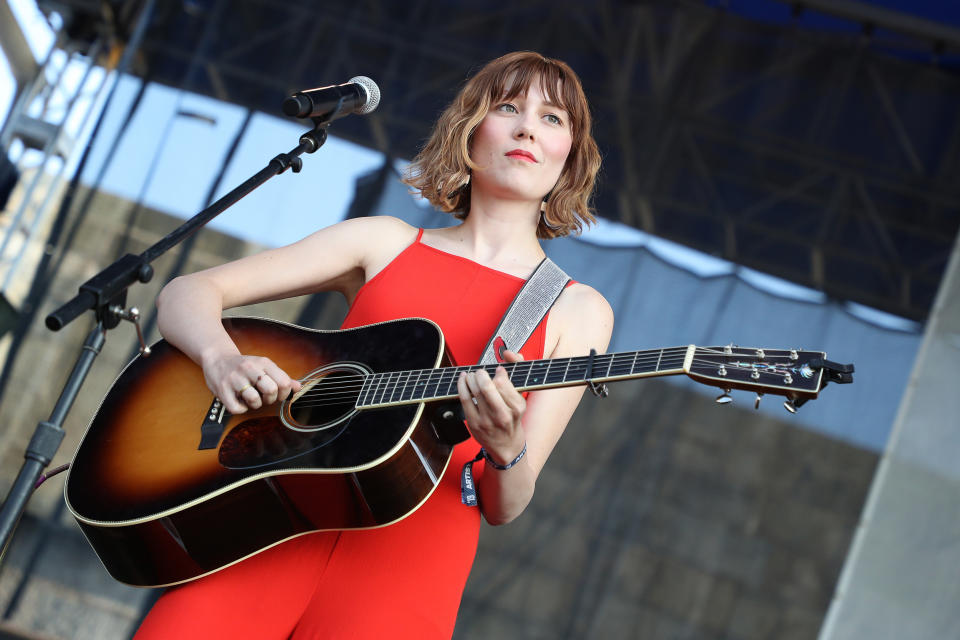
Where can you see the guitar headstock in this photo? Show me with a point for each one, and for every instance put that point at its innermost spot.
(796, 374)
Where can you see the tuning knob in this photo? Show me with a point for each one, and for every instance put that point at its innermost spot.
(724, 398)
(756, 403)
(789, 406)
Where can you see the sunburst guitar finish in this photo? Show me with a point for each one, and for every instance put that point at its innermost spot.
(159, 510)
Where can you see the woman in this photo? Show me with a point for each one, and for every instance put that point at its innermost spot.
(514, 159)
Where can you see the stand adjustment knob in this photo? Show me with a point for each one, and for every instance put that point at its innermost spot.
(132, 315)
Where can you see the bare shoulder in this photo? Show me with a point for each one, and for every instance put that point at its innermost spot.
(584, 320)
(382, 238)
(387, 225)
(372, 232)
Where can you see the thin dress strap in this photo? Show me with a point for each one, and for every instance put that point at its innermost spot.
(419, 235)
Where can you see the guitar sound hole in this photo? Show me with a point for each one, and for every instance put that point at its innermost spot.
(328, 398)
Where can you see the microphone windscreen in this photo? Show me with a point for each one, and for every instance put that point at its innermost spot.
(373, 94)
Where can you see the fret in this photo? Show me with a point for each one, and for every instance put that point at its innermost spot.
(408, 390)
(365, 389)
(526, 381)
(590, 371)
(398, 386)
(403, 386)
(558, 374)
(456, 379)
(566, 369)
(421, 385)
(451, 376)
(619, 368)
(611, 370)
(390, 382)
(427, 381)
(520, 370)
(382, 385)
(535, 376)
(609, 366)
(432, 386)
(657, 368)
(411, 386)
(374, 384)
(674, 360)
(637, 365)
(579, 369)
(448, 382)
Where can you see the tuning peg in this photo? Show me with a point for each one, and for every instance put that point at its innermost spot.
(756, 403)
(724, 398)
(789, 406)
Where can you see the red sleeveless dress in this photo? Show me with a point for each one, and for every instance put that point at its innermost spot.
(400, 581)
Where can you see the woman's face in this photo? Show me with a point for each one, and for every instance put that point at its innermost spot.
(521, 147)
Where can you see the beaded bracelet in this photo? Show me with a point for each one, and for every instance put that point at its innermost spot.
(503, 467)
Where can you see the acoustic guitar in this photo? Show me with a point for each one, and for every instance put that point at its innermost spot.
(168, 486)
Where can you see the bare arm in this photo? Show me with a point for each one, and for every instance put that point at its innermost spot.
(502, 421)
(190, 307)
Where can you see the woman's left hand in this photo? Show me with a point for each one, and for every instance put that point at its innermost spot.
(494, 410)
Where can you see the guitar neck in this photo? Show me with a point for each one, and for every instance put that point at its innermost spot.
(425, 385)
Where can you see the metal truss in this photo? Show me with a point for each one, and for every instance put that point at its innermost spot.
(818, 158)
(37, 122)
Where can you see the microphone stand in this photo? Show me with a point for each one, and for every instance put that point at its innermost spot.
(106, 294)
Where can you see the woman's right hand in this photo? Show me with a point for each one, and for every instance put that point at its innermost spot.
(247, 382)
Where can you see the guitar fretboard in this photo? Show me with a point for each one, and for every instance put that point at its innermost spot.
(421, 385)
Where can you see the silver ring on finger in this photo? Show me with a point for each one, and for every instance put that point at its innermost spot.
(475, 402)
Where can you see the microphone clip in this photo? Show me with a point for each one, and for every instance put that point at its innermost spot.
(286, 161)
(338, 110)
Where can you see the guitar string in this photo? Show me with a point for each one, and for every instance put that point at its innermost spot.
(435, 376)
(573, 363)
(575, 367)
(329, 391)
(349, 393)
(584, 360)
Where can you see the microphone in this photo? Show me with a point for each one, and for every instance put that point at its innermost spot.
(359, 95)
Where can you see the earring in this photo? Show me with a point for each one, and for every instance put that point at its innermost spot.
(463, 185)
(543, 217)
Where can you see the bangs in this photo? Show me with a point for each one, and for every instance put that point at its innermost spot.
(516, 78)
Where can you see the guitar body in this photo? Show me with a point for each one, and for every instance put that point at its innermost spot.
(158, 509)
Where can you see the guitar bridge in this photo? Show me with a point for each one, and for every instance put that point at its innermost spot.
(212, 427)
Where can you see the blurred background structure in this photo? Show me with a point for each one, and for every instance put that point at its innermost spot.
(776, 174)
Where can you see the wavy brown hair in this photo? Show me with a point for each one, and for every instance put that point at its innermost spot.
(441, 171)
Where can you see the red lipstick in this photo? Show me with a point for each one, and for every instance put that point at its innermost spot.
(521, 154)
